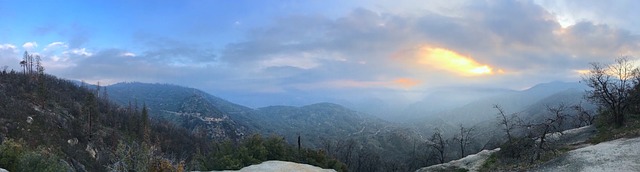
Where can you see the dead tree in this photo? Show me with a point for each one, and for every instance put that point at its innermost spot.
(438, 143)
(510, 122)
(463, 138)
(612, 86)
(539, 131)
(558, 115)
(582, 117)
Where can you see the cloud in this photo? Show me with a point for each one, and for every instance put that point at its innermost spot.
(9, 56)
(128, 54)
(79, 52)
(378, 49)
(620, 14)
(55, 45)
(29, 45)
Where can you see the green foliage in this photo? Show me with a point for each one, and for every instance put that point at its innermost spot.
(122, 138)
(609, 131)
(14, 156)
(254, 149)
(131, 157)
(516, 150)
(40, 161)
(10, 151)
(489, 163)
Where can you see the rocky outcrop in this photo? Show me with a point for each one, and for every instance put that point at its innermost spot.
(274, 166)
(615, 156)
(470, 162)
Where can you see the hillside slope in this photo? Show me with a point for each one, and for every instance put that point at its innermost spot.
(187, 107)
(343, 133)
(50, 117)
(618, 155)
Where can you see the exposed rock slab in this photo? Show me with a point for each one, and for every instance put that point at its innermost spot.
(616, 156)
(277, 166)
(470, 162)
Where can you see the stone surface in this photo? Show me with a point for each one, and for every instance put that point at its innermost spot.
(275, 166)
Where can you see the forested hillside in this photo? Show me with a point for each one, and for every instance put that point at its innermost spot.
(361, 141)
(53, 124)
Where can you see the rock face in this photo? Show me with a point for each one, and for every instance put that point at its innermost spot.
(274, 166)
(617, 155)
(470, 162)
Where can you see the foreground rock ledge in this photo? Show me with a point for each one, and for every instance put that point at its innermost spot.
(616, 156)
(470, 162)
(281, 166)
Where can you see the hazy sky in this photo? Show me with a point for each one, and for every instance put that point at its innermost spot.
(294, 52)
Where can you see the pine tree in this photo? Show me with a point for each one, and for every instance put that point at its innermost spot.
(146, 131)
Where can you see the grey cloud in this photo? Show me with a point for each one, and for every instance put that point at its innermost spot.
(365, 46)
(163, 50)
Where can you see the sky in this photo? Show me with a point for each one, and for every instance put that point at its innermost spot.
(293, 52)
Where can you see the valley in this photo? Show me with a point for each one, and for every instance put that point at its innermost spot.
(332, 85)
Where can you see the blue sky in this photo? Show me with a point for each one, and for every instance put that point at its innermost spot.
(293, 52)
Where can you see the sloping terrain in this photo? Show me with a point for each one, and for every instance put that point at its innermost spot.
(186, 107)
(615, 156)
(343, 133)
(520, 101)
(572, 138)
(43, 117)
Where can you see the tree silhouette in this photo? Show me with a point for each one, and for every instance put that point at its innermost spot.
(612, 86)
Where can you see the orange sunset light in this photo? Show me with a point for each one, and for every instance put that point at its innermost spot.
(406, 82)
(452, 61)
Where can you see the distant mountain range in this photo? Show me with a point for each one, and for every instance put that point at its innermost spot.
(479, 103)
(324, 124)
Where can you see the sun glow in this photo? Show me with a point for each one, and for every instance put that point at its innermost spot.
(451, 61)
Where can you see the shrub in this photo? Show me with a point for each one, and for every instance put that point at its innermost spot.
(516, 149)
(40, 161)
(10, 151)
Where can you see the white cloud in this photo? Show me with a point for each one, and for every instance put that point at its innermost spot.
(79, 51)
(55, 45)
(128, 54)
(30, 45)
(7, 47)
(619, 13)
(9, 56)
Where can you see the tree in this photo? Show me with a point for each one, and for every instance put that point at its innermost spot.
(510, 122)
(538, 131)
(463, 138)
(612, 86)
(146, 129)
(438, 143)
(91, 110)
(582, 117)
(558, 115)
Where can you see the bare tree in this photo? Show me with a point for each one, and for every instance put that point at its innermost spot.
(463, 138)
(612, 86)
(345, 149)
(510, 122)
(582, 117)
(438, 143)
(539, 131)
(558, 115)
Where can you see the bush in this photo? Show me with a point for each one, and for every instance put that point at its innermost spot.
(15, 157)
(41, 161)
(10, 151)
(516, 150)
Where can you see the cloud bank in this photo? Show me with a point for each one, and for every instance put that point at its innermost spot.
(367, 52)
